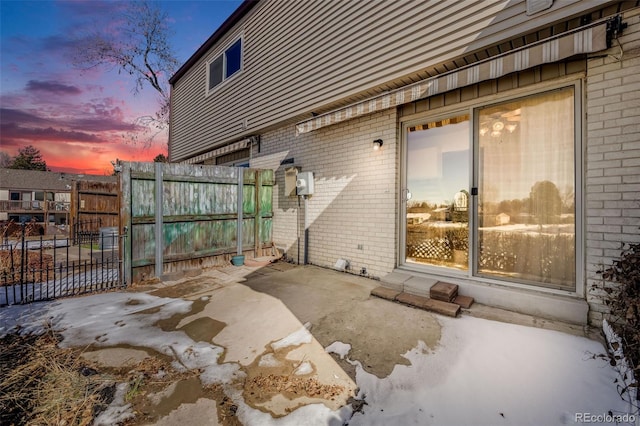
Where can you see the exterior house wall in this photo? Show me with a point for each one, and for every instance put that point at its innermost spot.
(353, 213)
(305, 57)
(613, 158)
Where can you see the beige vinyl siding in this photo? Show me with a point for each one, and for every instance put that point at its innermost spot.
(304, 56)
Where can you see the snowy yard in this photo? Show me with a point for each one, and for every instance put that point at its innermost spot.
(481, 372)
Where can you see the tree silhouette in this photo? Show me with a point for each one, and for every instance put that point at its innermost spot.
(137, 45)
(546, 203)
(5, 159)
(29, 158)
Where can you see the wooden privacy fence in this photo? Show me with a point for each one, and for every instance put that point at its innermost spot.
(94, 205)
(181, 216)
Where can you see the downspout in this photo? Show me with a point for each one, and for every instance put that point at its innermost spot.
(306, 230)
(298, 229)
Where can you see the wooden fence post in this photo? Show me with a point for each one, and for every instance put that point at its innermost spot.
(258, 221)
(240, 210)
(159, 221)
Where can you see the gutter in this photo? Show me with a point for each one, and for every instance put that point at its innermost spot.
(226, 26)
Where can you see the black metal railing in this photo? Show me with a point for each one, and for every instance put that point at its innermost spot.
(87, 231)
(33, 269)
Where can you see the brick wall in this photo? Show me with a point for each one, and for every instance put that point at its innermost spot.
(353, 213)
(613, 159)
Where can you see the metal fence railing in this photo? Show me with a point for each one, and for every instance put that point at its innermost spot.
(33, 269)
(87, 231)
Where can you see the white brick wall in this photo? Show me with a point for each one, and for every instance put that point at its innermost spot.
(355, 200)
(613, 159)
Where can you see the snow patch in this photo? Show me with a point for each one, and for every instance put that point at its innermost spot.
(221, 374)
(268, 360)
(304, 368)
(117, 412)
(339, 348)
(294, 339)
(487, 373)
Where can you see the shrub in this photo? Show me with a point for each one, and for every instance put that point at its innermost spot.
(624, 302)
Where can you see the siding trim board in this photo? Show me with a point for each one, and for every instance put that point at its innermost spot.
(554, 49)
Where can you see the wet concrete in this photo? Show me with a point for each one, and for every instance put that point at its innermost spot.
(202, 412)
(271, 303)
(246, 324)
(171, 323)
(203, 329)
(245, 310)
(186, 391)
(122, 355)
(339, 308)
(115, 357)
(192, 286)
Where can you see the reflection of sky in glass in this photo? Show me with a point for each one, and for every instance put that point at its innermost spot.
(438, 163)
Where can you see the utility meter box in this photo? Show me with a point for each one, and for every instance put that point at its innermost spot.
(290, 178)
(304, 183)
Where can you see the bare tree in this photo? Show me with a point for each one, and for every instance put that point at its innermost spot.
(137, 43)
(5, 159)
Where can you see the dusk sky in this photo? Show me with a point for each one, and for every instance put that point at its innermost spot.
(81, 120)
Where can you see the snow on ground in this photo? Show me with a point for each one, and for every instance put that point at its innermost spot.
(294, 339)
(482, 372)
(490, 373)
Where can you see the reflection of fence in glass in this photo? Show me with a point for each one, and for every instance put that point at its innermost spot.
(441, 244)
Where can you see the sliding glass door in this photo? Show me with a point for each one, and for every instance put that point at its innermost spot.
(437, 213)
(498, 201)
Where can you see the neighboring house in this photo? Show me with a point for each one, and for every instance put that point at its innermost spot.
(39, 195)
(502, 219)
(529, 105)
(417, 218)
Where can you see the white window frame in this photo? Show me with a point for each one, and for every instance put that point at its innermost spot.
(222, 53)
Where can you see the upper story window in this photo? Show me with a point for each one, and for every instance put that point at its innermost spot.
(225, 65)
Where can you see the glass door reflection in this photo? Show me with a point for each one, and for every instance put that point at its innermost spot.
(437, 214)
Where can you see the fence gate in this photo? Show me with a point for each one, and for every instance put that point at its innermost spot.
(181, 216)
(34, 268)
(94, 205)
